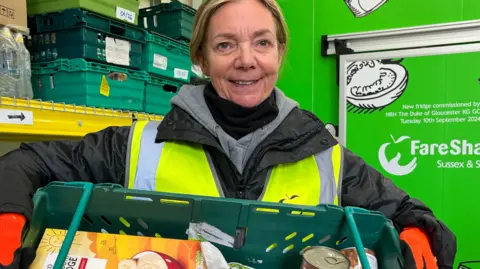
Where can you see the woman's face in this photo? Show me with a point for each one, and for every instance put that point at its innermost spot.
(242, 56)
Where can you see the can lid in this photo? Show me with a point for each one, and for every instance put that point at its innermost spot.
(325, 257)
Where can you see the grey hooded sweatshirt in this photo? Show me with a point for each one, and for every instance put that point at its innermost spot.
(191, 99)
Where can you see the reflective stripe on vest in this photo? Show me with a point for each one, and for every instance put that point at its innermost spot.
(180, 167)
(174, 167)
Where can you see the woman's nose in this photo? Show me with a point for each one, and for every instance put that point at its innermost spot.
(246, 58)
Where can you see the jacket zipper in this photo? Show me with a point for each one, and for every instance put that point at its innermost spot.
(273, 146)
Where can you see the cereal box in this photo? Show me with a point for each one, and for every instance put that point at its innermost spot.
(113, 251)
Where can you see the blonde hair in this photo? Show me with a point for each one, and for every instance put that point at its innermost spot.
(209, 7)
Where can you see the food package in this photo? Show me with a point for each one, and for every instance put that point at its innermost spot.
(113, 251)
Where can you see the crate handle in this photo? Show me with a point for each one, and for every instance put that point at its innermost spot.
(117, 29)
(77, 218)
(349, 211)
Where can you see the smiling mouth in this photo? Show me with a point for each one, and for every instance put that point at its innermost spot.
(244, 82)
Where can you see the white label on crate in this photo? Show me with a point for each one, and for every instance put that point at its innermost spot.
(197, 70)
(9, 116)
(117, 51)
(160, 61)
(125, 14)
(180, 73)
(75, 262)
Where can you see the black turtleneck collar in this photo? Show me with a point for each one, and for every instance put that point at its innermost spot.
(237, 120)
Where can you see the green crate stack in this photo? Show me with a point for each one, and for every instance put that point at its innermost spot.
(77, 33)
(167, 61)
(124, 10)
(165, 22)
(79, 82)
(171, 19)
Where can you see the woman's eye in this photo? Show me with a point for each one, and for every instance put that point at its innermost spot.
(223, 45)
(264, 43)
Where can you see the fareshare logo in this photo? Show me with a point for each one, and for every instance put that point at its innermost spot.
(392, 166)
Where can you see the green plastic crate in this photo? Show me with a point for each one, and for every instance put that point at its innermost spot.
(80, 206)
(77, 33)
(124, 10)
(158, 92)
(166, 57)
(79, 82)
(171, 19)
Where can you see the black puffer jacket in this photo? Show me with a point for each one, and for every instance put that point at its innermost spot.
(101, 157)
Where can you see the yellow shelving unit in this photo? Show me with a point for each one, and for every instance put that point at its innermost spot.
(34, 120)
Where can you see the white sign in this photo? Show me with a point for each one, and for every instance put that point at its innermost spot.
(117, 51)
(180, 73)
(125, 14)
(160, 61)
(23, 117)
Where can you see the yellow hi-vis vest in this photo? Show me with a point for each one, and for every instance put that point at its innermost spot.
(185, 168)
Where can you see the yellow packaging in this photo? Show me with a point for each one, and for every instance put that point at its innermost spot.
(112, 251)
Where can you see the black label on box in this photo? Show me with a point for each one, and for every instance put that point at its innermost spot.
(7, 12)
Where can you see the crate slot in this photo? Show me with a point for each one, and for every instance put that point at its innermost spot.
(170, 88)
(142, 224)
(117, 30)
(104, 231)
(107, 221)
(324, 240)
(341, 241)
(302, 213)
(139, 198)
(272, 246)
(87, 219)
(290, 236)
(308, 237)
(287, 249)
(124, 222)
(174, 202)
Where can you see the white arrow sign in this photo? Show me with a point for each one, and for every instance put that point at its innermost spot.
(8, 116)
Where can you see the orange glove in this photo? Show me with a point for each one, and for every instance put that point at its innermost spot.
(419, 245)
(11, 229)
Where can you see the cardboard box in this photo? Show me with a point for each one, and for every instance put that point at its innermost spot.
(113, 251)
(13, 13)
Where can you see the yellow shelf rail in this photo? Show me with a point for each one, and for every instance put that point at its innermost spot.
(34, 120)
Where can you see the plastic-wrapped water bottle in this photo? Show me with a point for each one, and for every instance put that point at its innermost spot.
(25, 83)
(10, 65)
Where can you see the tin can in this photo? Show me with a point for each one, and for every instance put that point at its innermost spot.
(324, 258)
(355, 263)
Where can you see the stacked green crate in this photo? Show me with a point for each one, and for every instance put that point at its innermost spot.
(166, 57)
(158, 92)
(76, 33)
(79, 82)
(167, 62)
(123, 10)
(171, 19)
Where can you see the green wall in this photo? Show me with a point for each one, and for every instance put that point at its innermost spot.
(309, 78)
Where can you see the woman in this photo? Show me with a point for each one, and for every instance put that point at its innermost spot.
(236, 137)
